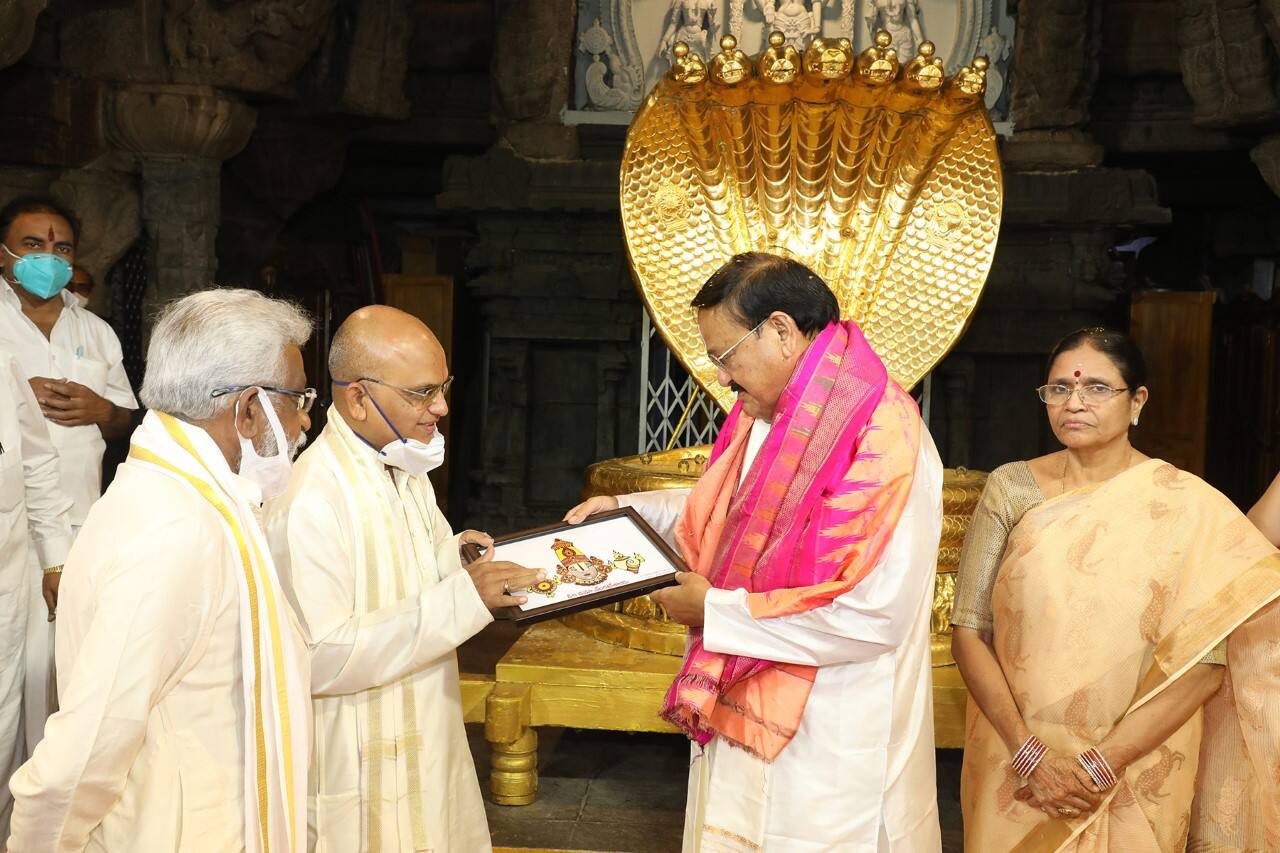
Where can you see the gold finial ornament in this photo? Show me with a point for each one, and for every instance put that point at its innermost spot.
(730, 66)
(687, 68)
(828, 59)
(886, 185)
(878, 64)
(972, 79)
(780, 62)
(926, 70)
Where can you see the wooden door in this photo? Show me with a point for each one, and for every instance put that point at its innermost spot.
(1174, 330)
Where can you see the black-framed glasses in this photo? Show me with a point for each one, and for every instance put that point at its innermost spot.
(419, 397)
(721, 360)
(1091, 395)
(305, 399)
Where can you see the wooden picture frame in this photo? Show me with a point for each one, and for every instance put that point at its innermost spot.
(579, 579)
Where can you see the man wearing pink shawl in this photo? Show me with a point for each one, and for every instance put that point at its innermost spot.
(812, 539)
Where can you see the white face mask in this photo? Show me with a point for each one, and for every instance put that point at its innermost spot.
(271, 473)
(412, 456)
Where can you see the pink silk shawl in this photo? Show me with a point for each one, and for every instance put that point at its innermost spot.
(814, 514)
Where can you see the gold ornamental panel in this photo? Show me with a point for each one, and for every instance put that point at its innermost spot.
(884, 179)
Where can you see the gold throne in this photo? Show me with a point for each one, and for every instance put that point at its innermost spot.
(881, 175)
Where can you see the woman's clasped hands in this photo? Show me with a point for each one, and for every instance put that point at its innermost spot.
(1060, 788)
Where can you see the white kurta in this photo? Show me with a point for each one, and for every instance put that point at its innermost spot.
(34, 528)
(147, 751)
(409, 643)
(82, 348)
(859, 774)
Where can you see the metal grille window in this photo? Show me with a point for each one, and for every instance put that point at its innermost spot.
(674, 410)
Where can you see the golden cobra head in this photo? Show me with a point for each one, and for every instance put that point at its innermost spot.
(730, 66)
(780, 62)
(687, 68)
(892, 197)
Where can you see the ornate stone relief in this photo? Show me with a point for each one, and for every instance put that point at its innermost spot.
(17, 27)
(624, 46)
(254, 46)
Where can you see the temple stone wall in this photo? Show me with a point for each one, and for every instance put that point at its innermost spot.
(304, 147)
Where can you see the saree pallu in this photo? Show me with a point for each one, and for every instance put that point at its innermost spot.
(1107, 595)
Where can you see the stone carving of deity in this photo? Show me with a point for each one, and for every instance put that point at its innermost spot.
(901, 19)
(693, 22)
(798, 22)
(610, 84)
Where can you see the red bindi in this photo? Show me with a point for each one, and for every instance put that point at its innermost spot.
(50, 233)
(1077, 374)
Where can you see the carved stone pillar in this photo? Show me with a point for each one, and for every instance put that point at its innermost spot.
(1055, 69)
(1227, 59)
(532, 54)
(181, 134)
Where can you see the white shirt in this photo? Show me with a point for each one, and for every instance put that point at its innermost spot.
(33, 507)
(81, 348)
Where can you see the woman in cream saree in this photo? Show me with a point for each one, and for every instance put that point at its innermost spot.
(1107, 615)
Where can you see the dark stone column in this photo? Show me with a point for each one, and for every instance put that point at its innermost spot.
(181, 135)
(1054, 71)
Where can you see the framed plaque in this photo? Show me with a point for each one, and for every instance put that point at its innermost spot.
(609, 557)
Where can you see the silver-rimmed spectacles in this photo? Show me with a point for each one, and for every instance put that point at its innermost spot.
(419, 397)
(721, 360)
(1090, 395)
(304, 399)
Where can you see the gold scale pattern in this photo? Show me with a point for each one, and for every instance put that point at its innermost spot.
(885, 180)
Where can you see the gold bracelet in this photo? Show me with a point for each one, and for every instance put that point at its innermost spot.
(53, 570)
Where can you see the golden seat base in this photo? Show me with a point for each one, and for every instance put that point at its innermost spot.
(557, 676)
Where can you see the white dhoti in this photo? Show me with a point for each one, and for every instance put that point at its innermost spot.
(35, 533)
(40, 685)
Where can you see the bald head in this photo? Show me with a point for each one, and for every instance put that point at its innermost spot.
(379, 337)
(401, 361)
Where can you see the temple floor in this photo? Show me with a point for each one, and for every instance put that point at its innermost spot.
(617, 791)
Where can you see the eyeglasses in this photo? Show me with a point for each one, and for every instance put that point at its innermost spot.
(304, 399)
(418, 397)
(722, 359)
(1090, 395)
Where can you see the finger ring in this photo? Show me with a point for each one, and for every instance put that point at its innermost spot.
(1062, 810)
(506, 590)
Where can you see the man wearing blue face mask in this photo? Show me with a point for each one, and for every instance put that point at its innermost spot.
(378, 583)
(72, 360)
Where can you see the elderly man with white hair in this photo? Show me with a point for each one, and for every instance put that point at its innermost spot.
(185, 713)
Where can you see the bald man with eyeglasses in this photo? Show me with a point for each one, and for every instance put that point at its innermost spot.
(377, 579)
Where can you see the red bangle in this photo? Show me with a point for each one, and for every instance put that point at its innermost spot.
(1028, 756)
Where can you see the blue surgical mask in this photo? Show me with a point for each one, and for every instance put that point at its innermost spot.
(42, 274)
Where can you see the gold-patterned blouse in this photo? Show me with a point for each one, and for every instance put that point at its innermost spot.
(1011, 491)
